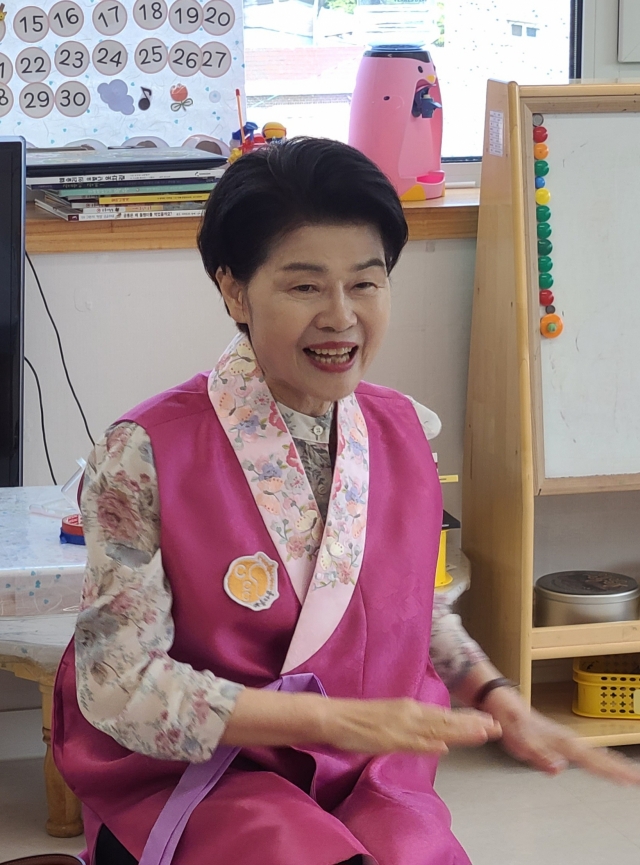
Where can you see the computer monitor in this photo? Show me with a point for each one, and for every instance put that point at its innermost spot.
(12, 216)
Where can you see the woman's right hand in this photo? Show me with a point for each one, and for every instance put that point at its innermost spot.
(275, 718)
(387, 726)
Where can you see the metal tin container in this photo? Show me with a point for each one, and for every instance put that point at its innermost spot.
(582, 597)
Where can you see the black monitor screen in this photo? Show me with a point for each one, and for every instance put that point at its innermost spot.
(12, 203)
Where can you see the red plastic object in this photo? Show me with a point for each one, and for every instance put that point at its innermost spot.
(546, 297)
(431, 177)
(540, 134)
(72, 525)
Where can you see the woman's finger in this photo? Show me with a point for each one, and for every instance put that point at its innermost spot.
(600, 761)
(538, 753)
(463, 727)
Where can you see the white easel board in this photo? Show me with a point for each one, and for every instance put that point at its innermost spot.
(591, 372)
(120, 71)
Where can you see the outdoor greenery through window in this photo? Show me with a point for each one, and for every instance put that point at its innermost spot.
(302, 56)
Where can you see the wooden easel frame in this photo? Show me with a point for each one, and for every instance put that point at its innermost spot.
(503, 469)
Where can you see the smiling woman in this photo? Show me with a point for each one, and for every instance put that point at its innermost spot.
(259, 604)
(301, 242)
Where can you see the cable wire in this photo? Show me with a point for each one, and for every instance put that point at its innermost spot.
(64, 362)
(44, 431)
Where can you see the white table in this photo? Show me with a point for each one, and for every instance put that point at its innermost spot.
(40, 585)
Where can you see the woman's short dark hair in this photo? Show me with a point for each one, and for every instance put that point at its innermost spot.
(304, 181)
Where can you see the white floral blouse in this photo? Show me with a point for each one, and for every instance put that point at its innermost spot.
(127, 684)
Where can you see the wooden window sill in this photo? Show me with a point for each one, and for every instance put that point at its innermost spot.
(454, 216)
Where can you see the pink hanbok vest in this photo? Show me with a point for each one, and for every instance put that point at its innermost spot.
(349, 602)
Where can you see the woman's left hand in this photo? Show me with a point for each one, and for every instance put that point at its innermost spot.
(549, 747)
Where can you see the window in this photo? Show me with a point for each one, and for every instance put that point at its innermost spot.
(302, 56)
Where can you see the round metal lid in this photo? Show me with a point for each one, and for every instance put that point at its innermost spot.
(588, 584)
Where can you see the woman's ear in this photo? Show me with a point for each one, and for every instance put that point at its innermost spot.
(234, 295)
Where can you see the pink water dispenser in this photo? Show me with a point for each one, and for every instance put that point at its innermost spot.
(396, 118)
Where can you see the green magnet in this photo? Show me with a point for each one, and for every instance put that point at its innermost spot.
(541, 167)
(552, 328)
(545, 247)
(544, 264)
(543, 212)
(543, 230)
(545, 280)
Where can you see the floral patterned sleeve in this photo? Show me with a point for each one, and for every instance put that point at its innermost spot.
(127, 684)
(453, 652)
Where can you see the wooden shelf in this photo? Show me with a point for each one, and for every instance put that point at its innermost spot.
(555, 700)
(453, 216)
(578, 641)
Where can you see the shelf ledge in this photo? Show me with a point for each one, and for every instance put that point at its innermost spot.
(555, 700)
(453, 216)
(579, 641)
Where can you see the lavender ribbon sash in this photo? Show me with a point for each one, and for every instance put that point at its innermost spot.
(200, 778)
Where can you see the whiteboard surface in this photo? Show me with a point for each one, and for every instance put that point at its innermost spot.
(591, 372)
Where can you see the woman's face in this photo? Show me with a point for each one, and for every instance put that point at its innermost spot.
(317, 311)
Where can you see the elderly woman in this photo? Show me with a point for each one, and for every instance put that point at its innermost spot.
(255, 677)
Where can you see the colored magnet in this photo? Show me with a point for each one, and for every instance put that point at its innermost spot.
(540, 134)
(543, 230)
(540, 182)
(551, 326)
(543, 196)
(545, 280)
(546, 297)
(545, 247)
(540, 151)
(544, 264)
(541, 168)
(537, 119)
(549, 309)
(543, 213)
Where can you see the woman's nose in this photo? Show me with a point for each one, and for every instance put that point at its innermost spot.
(338, 313)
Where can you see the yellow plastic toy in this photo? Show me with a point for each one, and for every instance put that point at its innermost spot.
(274, 131)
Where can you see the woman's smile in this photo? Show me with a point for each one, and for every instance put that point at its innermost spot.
(332, 356)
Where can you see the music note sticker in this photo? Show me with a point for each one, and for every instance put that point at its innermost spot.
(144, 104)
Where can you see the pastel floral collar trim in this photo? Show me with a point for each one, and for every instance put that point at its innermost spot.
(316, 556)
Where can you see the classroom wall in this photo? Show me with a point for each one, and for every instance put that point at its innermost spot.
(135, 323)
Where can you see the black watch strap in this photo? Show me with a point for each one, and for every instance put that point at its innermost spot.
(484, 690)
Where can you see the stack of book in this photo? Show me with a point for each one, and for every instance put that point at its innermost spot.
(79, 185)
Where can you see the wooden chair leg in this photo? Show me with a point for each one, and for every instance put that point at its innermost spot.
(65, 818)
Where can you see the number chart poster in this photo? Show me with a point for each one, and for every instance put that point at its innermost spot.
(111, 73)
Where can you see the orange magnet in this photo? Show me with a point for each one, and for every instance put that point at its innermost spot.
(551, 326)
(540, 151)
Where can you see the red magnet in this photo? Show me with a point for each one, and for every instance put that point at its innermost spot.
(540, 134)
(546, 297)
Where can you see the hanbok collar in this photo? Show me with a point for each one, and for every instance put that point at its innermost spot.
(323, 561)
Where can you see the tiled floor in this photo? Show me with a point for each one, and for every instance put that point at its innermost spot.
(503, 813)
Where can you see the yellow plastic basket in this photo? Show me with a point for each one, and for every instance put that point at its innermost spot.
(608, 686)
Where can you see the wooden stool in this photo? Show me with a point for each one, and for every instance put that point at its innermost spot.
(64, 816)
